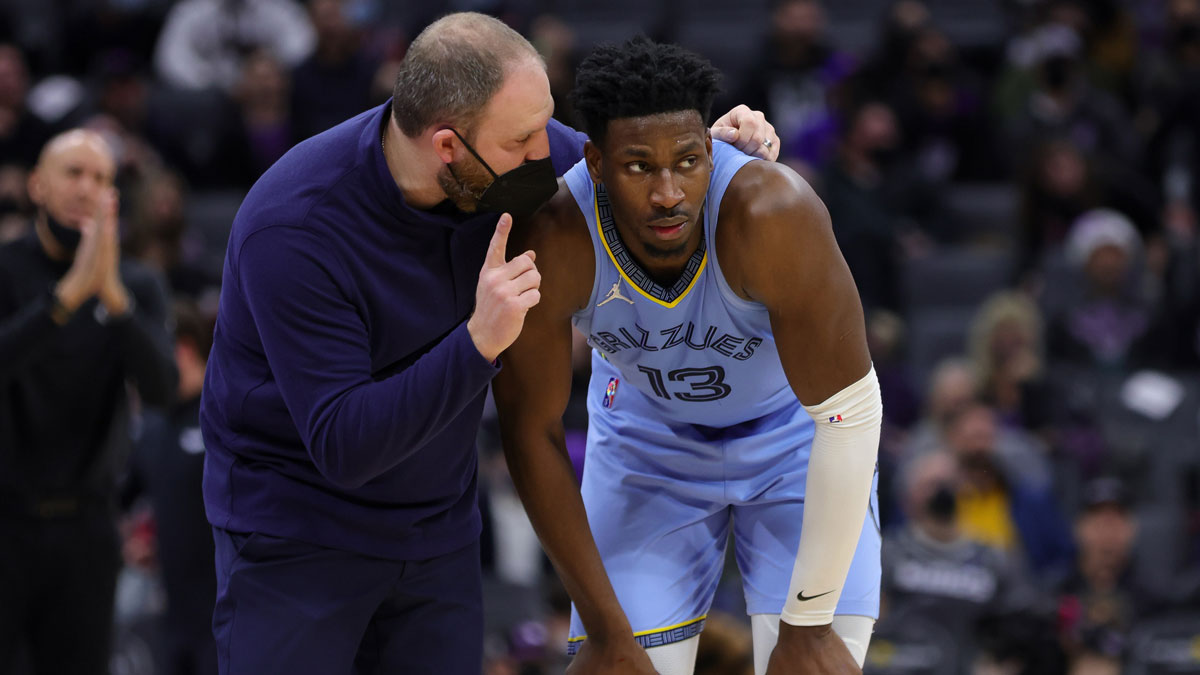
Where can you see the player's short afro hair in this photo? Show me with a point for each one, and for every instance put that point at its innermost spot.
(640, 78)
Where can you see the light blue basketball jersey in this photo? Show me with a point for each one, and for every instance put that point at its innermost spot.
(700, 353)
(693, 433)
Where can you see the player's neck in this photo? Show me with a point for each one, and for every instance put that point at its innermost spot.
(416, 173)
(664, 267)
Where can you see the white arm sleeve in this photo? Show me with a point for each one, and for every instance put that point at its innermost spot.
(837, 492)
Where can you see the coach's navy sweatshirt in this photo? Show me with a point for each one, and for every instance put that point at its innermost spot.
(343, 393)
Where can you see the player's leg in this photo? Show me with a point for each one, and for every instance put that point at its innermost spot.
(432, 621)
(677, 658)
(285, 606)
(855, 631)
(768, 470)
(655, 507)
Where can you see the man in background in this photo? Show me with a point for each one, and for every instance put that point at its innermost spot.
(76, 325)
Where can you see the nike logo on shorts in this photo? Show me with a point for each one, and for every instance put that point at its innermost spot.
(801, 598)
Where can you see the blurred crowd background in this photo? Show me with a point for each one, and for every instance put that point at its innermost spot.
(1014, 183)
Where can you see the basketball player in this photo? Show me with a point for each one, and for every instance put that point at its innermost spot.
(731, 387)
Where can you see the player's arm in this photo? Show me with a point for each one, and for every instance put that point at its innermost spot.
(531, 393)
(787, 259)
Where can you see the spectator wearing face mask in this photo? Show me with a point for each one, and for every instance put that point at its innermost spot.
(1001, 505)
(934, 573)
(77, 325)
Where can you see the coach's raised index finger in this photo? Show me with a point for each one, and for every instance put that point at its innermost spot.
(499, 243)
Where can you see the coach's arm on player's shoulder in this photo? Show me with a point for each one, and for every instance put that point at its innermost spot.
(787, 258)
(531, 393)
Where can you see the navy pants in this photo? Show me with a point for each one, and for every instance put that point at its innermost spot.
(285, 606)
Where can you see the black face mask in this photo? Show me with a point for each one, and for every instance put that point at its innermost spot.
(943, 505)
(67, 237)
(519, 192)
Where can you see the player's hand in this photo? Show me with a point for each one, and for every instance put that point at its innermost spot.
(616, 657)
(749, 131)
(504, 295)
(812, 650)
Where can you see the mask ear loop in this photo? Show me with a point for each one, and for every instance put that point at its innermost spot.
(473, 154)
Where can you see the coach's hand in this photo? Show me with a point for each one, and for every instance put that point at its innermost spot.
(617, 657)
(505, 293)
(749, 131)
(812, 650)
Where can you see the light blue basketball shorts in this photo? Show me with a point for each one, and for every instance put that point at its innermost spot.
(662, 496)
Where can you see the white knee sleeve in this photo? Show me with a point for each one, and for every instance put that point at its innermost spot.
(677, 658)
(855, 631)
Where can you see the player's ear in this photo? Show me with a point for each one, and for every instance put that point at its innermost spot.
(591, 153)
(708, 144)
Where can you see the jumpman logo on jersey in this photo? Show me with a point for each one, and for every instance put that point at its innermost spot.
(614, 294)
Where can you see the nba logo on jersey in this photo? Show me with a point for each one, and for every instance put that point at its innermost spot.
(610, 392)
(835, 419)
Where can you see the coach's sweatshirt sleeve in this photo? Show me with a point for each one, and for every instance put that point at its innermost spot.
(354, 427)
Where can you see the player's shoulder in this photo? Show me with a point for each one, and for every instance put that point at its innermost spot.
(767, 201)
(771, 191)
(556, 225)
(558, 232)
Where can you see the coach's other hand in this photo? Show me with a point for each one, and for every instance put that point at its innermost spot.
(749, 131)
(505, 293)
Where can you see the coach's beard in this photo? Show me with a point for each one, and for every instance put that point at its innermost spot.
(464, 183)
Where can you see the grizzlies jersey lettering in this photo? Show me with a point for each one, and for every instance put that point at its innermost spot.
(699, 353)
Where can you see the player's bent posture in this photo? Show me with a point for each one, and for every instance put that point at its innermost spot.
(731, 388)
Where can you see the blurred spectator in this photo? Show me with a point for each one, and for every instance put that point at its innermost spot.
(1058, 185)
(205, 42)
(334, 84)
(167, 467)
(940, 105)
(1093, 663)
(1169, 114)
(1061, 102)
(555, 41)
(859, 196)
(1108, 37)
(1007, 353)
(120, 116)
(1099, 603)
(262, 94)
(901, 24)
(1103, 316)
(932, 571)
(15, 209)
(1003, 504)
(796, 82)
(22, 134)
(885, 339)
(901, 403)
(76, 323)
(101, 29)
(158, 236)
(952, 388)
